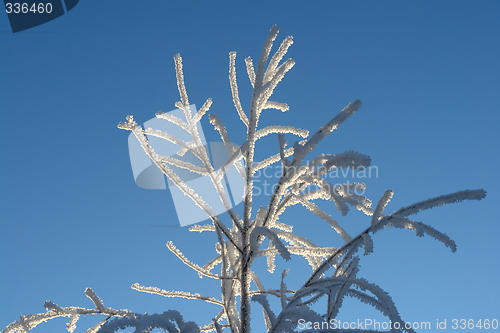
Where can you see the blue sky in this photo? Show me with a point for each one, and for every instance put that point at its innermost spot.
(72, 216)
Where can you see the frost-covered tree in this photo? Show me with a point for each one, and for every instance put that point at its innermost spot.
(257, 232)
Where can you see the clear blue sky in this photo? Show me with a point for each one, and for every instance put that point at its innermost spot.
(72, 217)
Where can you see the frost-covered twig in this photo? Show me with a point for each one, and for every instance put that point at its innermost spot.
(181, 294)
(394, 220)
(28, 322)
